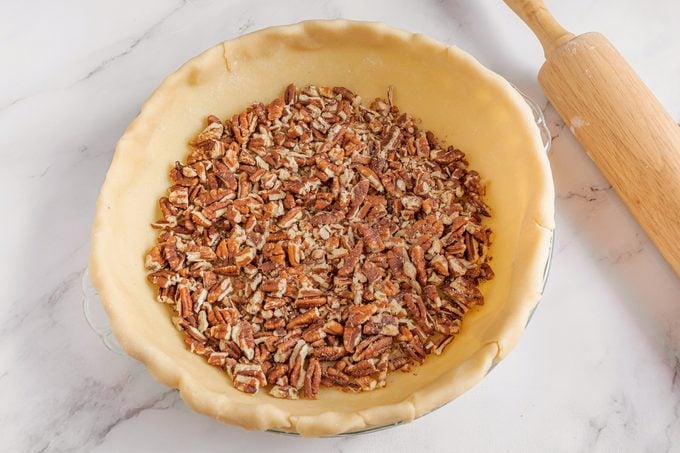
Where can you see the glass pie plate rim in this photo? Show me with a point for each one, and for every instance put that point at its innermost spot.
(98, 321)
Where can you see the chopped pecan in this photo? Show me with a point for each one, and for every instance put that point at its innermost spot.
(351, 260)
(327, 353)
(362, 368)
(242, 335)
(414, 349)
(244, 257)
(313, 379)
(304, 319)
(220, 331)
(333, 328)
(218, 358)
(314, 333)
(333, 376)
(418, 259)
(310, 302)
(297, 362)
(359, 314)
(248, 377)
(275, 109)
(213, 131)
(294, 254)
(315, 229)
(276, 371)
(351, 337)
(371, 347)
(284, 391)
(371, 177)
(382, 325)
(290, 217)
(371, 238)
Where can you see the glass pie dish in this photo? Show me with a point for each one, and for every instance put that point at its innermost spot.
(502, 132)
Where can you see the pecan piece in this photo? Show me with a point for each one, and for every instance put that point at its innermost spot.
(284, 391)
(297, 362)
(275, 285)
(294, 254)
(371, 347)
(154, 260)
(382, 325)
(371, 238)
(290, 217)
(220, 331)
(329, 353)
(304, 319)
(359, 314)
(163, 279)
(248, 378)
(275, 109)
(333, 376)
(351, 260)
(333, 328)
(213, 131)
(359, 193)
(344, 92)
(179, 196)
(242, 335)
(314, 333)
(244, 257)
(289, 96)
(371, 177)
(432, 296)
(218, 358)
(327, 218)
(396, 262)
(418, 259)
(276, 371)
(310, 302)
(415, 306)
(362, 368)
(313, 379)
(414, 349)
(351, 337)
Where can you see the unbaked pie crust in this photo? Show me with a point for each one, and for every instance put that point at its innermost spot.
(457, 98)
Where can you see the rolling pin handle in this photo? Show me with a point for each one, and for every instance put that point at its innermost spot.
(548, 31)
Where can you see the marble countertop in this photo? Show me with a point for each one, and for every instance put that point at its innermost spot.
(597, 370)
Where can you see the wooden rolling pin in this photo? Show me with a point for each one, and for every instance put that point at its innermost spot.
(622, 126)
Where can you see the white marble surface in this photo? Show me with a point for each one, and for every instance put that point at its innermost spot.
(597, 370)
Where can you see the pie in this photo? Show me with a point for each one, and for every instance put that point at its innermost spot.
(457, 99)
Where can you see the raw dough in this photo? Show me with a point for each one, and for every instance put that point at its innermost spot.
(458, 99)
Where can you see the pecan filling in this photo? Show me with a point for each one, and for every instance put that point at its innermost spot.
(317, 241)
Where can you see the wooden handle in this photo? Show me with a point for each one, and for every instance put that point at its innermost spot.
(625, 130)
(534, 13)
